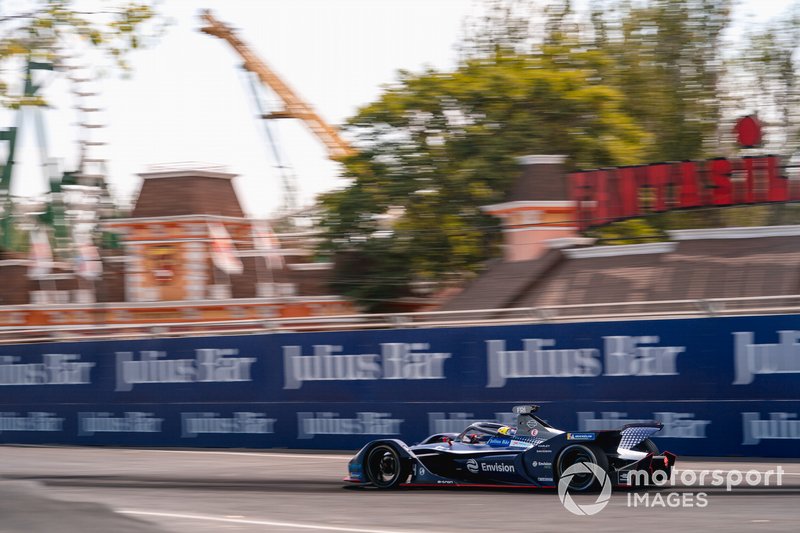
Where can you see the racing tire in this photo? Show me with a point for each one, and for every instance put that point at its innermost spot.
(582, 453)
(647, 446)
(384, 467)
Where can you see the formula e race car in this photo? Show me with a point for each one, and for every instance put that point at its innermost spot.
(533, 454)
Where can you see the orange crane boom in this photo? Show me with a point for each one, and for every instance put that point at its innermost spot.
(294, 106)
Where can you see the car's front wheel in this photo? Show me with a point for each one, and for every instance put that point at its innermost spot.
(385, 468)
(591, 475)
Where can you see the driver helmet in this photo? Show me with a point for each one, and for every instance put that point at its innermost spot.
(507, 430)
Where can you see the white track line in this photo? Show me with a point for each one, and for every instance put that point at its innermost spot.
(273, 523)
(252, 454)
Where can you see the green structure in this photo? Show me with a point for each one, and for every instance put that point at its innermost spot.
(54, 213)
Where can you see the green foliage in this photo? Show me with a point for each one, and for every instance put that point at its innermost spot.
(439, 145)
(631, 231)
(667, 61)
(50, 28)
(654, 227)
(764, 80)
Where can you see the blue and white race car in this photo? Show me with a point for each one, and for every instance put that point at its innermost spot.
(533, 454)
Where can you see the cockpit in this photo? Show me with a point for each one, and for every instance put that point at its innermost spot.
(479, 432)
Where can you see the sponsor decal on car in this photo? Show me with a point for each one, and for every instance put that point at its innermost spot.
(496, 467)
(581, 436)
(356, 471)
(472, 466)
(499, 442)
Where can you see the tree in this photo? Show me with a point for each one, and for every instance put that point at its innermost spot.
(667, 59)
(48, 29)
(763, 80)
(439, 145)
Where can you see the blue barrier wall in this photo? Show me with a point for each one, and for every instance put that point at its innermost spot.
(721, 386)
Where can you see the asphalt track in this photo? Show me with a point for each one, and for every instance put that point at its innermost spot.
(65, 490)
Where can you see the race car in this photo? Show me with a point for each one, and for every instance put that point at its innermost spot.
(533, 454)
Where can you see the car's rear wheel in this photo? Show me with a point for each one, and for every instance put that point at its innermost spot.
(584, 479)
(385, 468)
(647, 446)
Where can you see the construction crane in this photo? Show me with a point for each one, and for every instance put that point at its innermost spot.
(294, 106)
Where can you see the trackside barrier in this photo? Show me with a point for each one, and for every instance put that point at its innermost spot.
(97, 328)
(721, 386)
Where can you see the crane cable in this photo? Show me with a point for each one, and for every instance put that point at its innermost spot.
(286, 176)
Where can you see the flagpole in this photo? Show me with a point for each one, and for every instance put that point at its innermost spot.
(258, 275)
(268, 266)
(214, 269)
(53, 285)
(214, 266)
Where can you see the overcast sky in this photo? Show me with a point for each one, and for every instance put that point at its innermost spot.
(187, 100)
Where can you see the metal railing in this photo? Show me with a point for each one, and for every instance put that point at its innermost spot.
(594, 312)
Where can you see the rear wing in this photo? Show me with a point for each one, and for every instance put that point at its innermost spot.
(633, 434)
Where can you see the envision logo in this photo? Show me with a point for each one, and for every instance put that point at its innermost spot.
(497, 467)
(474, 467)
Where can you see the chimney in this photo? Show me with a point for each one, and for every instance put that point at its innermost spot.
(537, 209)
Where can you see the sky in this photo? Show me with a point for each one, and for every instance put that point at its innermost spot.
(186, 99)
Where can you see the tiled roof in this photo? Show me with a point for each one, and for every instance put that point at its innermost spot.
(502, 284)
(696, 269)
(187, 194)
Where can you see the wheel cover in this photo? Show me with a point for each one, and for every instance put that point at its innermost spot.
(577, 455)
(383, 466)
